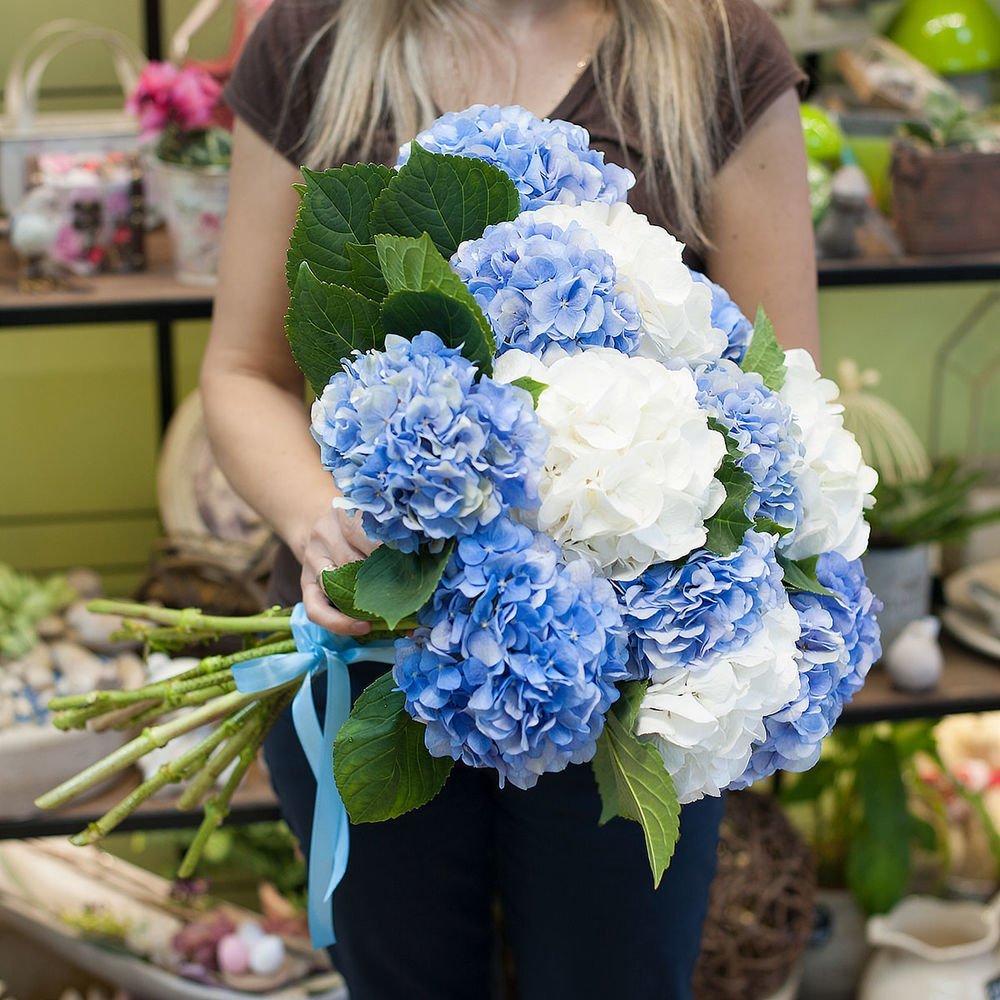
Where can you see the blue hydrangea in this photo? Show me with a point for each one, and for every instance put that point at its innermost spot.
(838, 644)
(760, 423)
(687, 616)
(516, 659)
(727, 317)
(548, 161)
(421, 448)
(542, 285)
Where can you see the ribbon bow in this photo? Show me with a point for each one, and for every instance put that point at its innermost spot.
(317, 651)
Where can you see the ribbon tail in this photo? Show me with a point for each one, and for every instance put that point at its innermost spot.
(329, 846)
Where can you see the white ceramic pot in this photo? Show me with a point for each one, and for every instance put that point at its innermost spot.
(901, 580)
(932, 949)
(194, 202)
(832, 963)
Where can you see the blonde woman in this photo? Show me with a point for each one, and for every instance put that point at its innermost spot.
(699, 98)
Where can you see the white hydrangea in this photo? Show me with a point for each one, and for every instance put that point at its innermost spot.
(676, 310)
(704, 723)
(835, 483)
(629, 476)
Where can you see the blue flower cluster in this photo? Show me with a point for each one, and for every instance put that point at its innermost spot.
(838, 644)
(516, 661)
(424, 451)
(727, 317)
(539, 285)
(760, 424)
(548, 161)
(687, 616)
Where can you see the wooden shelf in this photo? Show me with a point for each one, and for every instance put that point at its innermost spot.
(970, 683)
(151, 295)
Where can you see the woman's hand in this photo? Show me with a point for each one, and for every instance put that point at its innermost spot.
(334, 539)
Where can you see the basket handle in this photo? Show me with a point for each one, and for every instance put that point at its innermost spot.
(24, 77)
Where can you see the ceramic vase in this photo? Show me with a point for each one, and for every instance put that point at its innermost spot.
(933, 949)
(194, 201)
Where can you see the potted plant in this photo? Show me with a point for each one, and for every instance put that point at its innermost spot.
(946, 179)
(181, 117)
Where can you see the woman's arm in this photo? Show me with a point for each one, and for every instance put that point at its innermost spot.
(253, 393)
(762, 228)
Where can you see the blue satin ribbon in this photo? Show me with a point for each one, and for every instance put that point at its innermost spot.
(318, 651)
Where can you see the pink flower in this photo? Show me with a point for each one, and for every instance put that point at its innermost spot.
(167, 95)
(195, 97)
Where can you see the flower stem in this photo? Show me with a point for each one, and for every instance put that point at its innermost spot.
(148, 740)
(192, 619)
(175, 770)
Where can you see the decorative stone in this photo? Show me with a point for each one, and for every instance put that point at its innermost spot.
(51, 627)
(131, 671)
(80, 667)
(94, 630)
(267, 955)
(86, 582)
(233, 955)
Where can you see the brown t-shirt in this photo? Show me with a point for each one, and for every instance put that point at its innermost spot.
(262, 93)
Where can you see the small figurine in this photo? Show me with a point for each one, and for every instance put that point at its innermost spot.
(914, 660)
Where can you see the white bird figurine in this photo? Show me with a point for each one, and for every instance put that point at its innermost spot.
(914, 659)
(34, 225)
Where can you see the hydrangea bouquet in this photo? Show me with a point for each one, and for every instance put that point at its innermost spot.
(619, 525)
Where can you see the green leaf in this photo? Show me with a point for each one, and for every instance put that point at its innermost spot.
(451, 198)
(413, 265)
(634, 783)
(394, 584)
(727, 526)
(764, 355)
(768, 527)
(380, 763)
(366, 272)
(878, 860)
(800, 574)
(531, 386)
(335, 209)
(340, 585)
(325, 323)
(409, 313)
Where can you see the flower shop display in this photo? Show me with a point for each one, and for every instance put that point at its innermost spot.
(179, 114)
(83, 215)
(619, 525)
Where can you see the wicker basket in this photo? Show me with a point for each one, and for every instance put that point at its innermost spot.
(946, 200)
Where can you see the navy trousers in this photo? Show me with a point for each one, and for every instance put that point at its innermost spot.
(414, 912)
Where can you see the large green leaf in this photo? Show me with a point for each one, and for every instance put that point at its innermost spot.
(764, 354)
(634, 783)
(727, 526)
(366, 271)
(800, 574)
(394, 585)
(409, 313)
(380, 763)
(451, 198)
(325, 323)
(426, 294)
(335, 209)
(340, 584)
(878, 859)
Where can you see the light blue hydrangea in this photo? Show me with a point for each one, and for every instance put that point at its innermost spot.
(838, 644)
(516, 659)
(423, 450)
(760, 423)
(727, 317)
(541, 285)
(548, 161)
(687, 616)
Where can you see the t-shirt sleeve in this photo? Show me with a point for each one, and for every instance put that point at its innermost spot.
(272, 89)
(764, 67)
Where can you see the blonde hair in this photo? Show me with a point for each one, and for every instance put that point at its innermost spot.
(660, 65)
